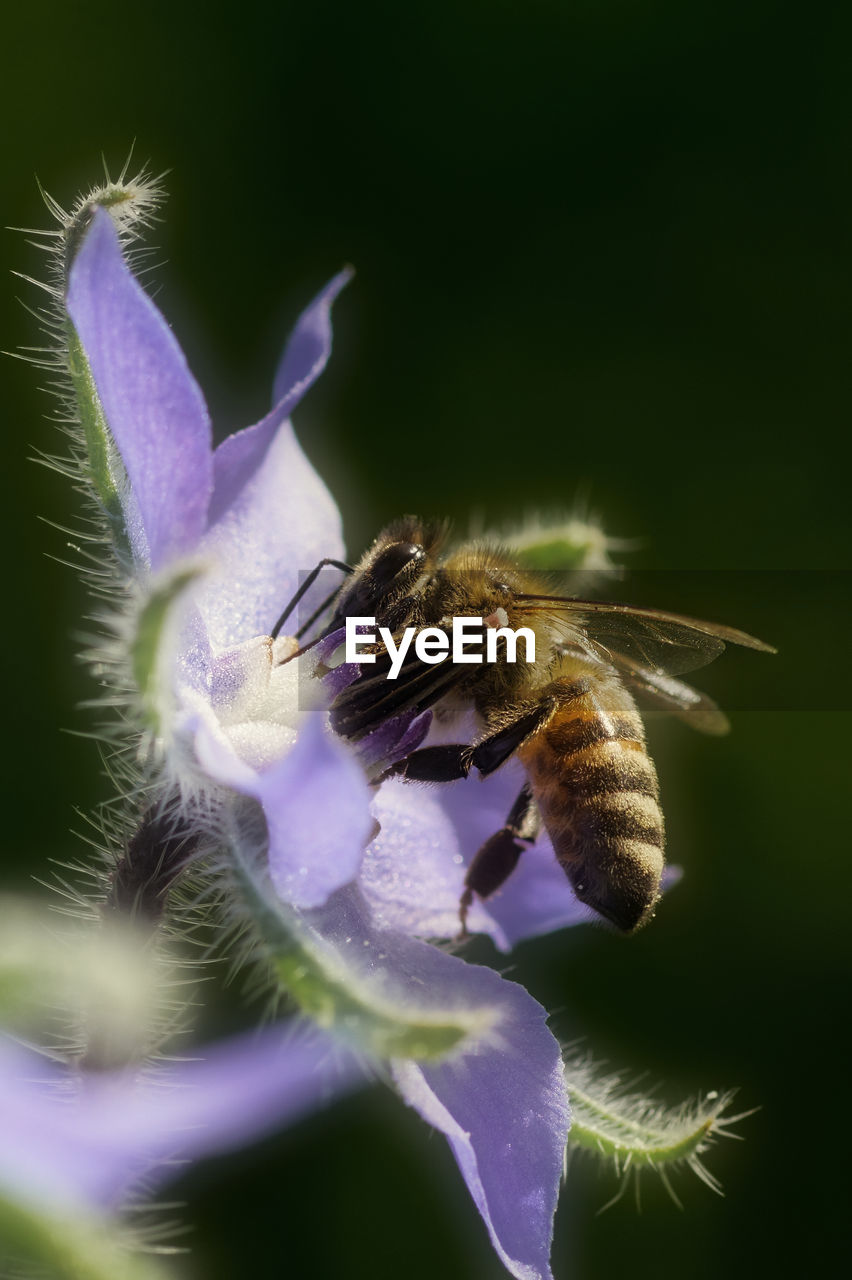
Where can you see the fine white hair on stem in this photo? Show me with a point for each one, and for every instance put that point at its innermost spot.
(632, 1132)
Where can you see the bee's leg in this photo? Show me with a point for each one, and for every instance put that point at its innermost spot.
(433, 764)
(495, 861)
(306, 585)
(455, 760)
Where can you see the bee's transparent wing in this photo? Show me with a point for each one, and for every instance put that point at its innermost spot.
(658, 642)
(663, 692)
(658, 690)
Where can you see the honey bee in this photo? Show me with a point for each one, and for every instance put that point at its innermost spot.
(569, 717)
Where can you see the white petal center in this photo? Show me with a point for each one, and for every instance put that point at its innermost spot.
(255, 699)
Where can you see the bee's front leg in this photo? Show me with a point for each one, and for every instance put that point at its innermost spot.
(495, 861)
(455, 760)
(446, 763)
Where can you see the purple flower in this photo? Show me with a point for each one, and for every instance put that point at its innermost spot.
(217, 539)
(88, 1141)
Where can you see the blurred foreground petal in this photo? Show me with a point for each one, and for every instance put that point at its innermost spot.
(87, 1140)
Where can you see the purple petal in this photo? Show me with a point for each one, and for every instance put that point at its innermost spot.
(326, 648)
(305, 356)
(271, 516)
(477, 807)
(61, 1148)
(395, 739)
(242, 1089)
(281, 523)
(317, 807)
(308, 346)
(340, 678)
(504, 1110)
(413, 872)
(45, 1158)
(394, 970)
(500, 1096)
(536, 899)
(153, 406)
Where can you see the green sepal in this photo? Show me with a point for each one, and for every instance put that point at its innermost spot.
(313, 971)
(562, 545)
(66, 1247)
(554, 553)
(149, 644)
(632, 1131)
(104, 977)
(104, 467)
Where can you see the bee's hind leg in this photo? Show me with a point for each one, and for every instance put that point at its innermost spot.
(495, 861)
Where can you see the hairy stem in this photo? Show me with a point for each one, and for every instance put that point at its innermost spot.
(160, 849)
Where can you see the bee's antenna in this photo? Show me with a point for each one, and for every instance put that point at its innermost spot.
(304, 649)
(309, 581)
(317, 613)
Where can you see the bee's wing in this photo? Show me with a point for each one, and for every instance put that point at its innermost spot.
(372, 699)
(664, 693)
(654, 640)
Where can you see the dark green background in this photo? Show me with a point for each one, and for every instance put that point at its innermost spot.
(603, 251)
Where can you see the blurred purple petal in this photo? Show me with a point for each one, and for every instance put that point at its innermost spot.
(242, 1089)
(153, 406)
(504, 1110)
(90, 1145)
(47, 1158)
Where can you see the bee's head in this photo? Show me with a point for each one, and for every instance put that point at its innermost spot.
(385, 576)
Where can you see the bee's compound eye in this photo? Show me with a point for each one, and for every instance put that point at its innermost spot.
(394, 559)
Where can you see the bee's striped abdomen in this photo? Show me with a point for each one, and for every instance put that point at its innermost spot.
(596, 788)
